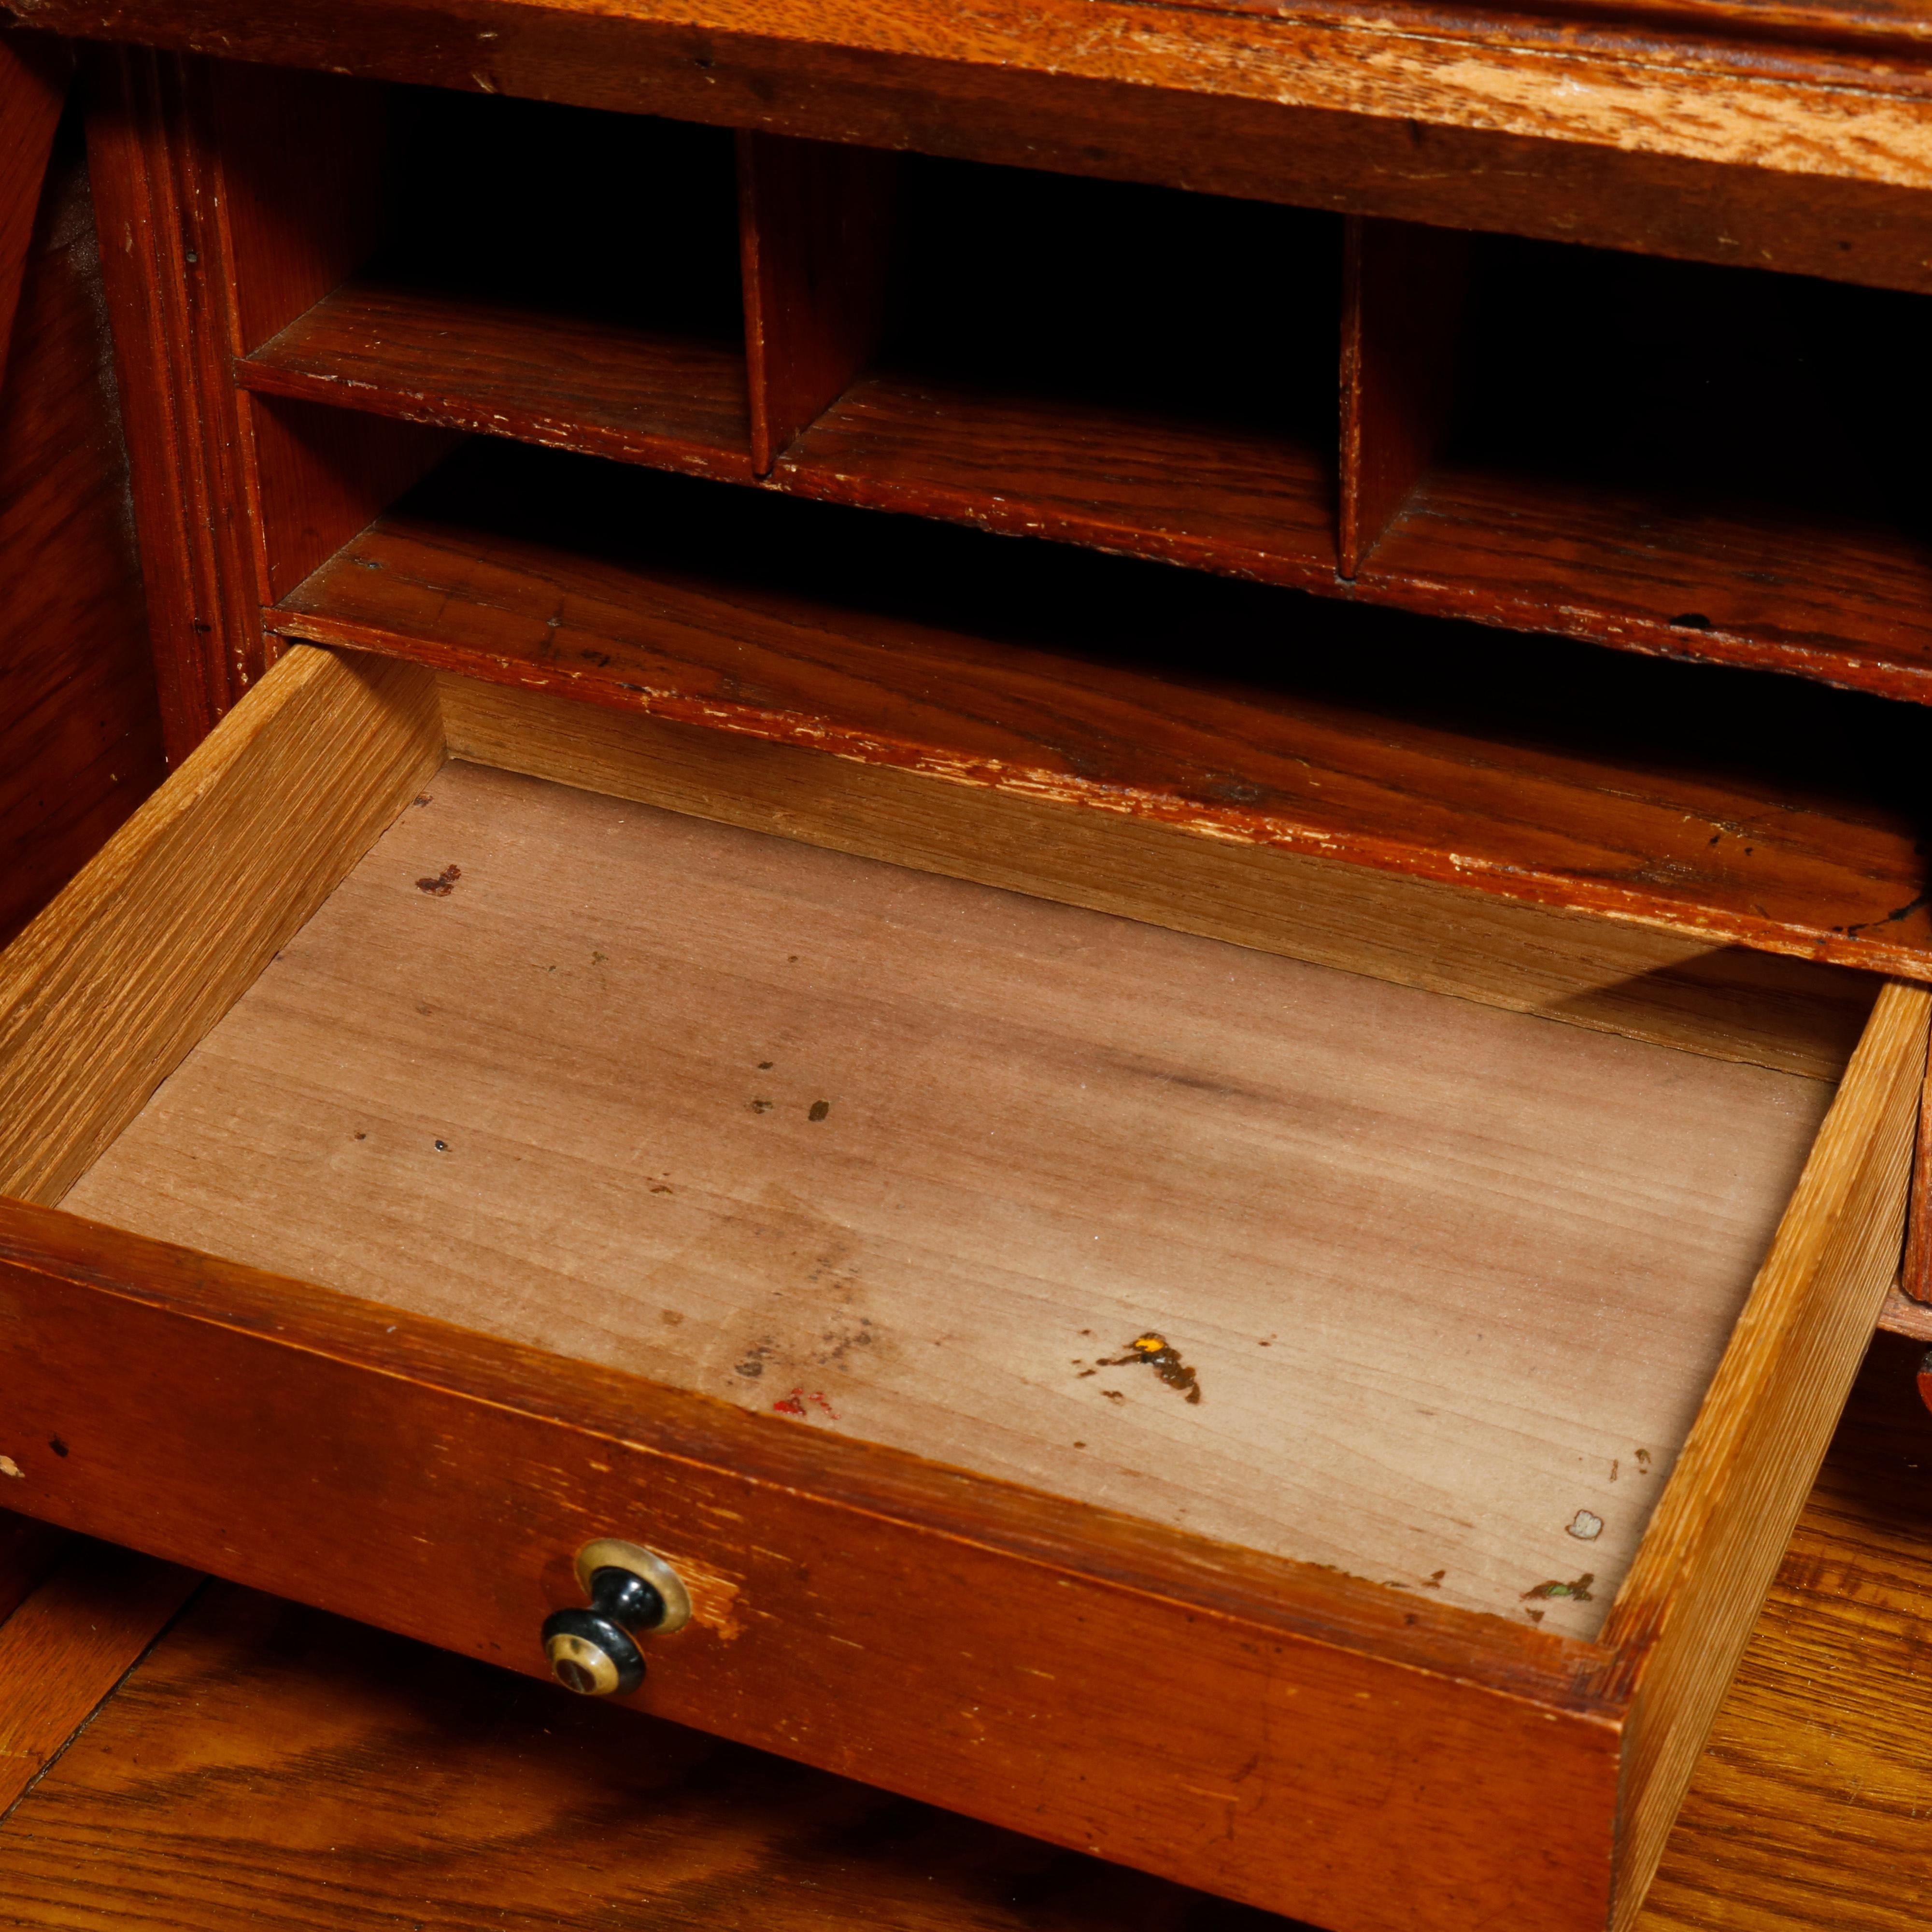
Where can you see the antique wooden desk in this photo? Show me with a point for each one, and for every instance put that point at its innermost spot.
(852, 947)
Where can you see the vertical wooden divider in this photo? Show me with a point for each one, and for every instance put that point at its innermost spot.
(1404, 288)
(301, 158)
(814, 222)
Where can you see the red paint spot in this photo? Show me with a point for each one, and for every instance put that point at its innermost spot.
(791, 1404)
(443, 884)
(824, 1405)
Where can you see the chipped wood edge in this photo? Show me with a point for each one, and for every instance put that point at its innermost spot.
(1609, 976)
(106, 992)
(1691, 1599)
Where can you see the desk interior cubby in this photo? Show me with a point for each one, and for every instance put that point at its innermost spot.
(1672, 456)
(1559, 443)
(1131, 366)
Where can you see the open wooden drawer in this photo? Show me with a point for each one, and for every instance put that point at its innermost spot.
(1314, 1416)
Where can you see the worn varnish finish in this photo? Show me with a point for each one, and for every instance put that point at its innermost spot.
(857, 1100)
(80, 742)
(853, 1657)
(1077, 681)
(1725, 153)
(264, 1760)
(605, 388)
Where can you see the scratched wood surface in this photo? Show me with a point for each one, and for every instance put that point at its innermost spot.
(266, 1761)
(902, 1156)
(1750, 807)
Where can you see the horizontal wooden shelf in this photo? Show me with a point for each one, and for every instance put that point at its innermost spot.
(1845, 602)
(674, 401)
(1753, 808)
(1219, 496)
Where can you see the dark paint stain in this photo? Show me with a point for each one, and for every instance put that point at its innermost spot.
(751, 1367)
(443, 884)
(57, 1445)
(1436, 1577)
(1615, 1465)
(422, 798)
(1113, 1395)
(819, 1109)
(764, 1066)
(1161, 1355)
(1690, 620)
(761, 1106)
(658, 1187)
(1891, 918)
(671, 1318)
(1577, 1592)
(1643, 1462)
(1535, 1616)
(442, 1147)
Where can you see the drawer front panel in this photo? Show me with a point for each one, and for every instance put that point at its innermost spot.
(1298, 1774)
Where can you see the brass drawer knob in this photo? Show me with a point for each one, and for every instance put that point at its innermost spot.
(633, 1591)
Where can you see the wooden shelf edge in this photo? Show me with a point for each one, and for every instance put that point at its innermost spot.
(1722, 924)
(448, 408)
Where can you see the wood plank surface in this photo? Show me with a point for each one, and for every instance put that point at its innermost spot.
(120, 976)
(887, 1653)
(28, 1550)
(1686, 1609)
(428, 356)
(266, 1761)
(80, 742)
(858, 1101)
(1674, 989)
(67, 1647)
(1731, 151)
(1220, 496)
(1755, 811)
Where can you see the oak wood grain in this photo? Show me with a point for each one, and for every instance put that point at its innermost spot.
(264, 1760)
(80, 742)
(857, 1100)
(1685, 1612)
(1740, 811)
(156, 176)
(63, 1650)
(143, 952)
(1674, 989)
(1808, 1808)
(1723, 151)
(885, 1651)
(606, 387)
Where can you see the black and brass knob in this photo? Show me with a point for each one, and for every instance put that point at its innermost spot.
(633, 1592)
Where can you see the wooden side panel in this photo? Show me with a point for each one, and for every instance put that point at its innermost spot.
(1669, 988)
(124, 972)
(1000, 1671)
(80, 741)
(1402, 291)
(1915, 1277)
(33, 75)
(69, 1645)
(163, 256)
(1689, 1603)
